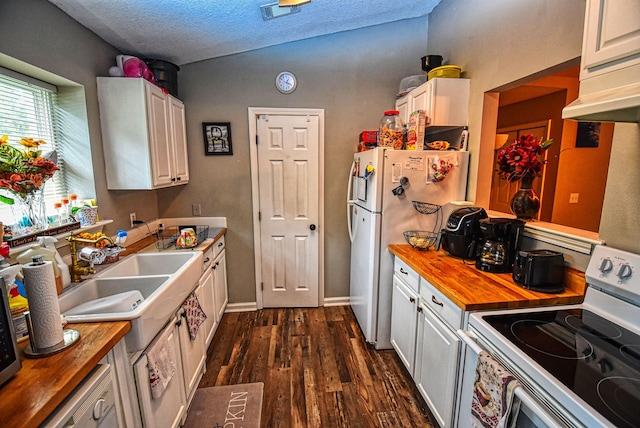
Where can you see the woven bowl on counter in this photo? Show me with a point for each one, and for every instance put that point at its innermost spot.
(420, 240)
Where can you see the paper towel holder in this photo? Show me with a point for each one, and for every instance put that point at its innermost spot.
(70, 338)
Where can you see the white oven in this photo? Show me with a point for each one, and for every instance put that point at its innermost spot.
(577, 365)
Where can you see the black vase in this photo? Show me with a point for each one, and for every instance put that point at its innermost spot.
(525, 204)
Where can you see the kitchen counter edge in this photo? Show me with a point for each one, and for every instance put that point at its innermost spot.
(472, 289)
(42, 384)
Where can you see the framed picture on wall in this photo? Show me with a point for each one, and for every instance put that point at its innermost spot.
(588, 134)
(217, 138)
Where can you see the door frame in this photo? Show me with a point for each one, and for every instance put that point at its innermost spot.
(254, 112)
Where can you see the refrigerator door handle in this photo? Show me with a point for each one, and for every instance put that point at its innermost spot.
(350, 201)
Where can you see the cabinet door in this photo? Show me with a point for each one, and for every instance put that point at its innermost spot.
(612, 33)
(179, 141)
(159, 135)
(168, 409)
(221, 296)
(421, 100)
(437, 365)
(193, 353)
(404, 322)
(445, 101)
(403, 105)
(207, 300)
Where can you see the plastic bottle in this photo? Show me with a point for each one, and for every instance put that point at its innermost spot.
(391, 132)
(464, 139)
(50, 243)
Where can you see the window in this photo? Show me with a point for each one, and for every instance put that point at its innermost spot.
(29, 108)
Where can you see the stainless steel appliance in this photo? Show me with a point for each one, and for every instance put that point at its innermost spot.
(579, 365)
(500, 241)
(462, 232)
(380, 208)
(10, 361)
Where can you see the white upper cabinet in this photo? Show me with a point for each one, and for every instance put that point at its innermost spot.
(445, 101)
(143, 135)
(610, 63)
(612, 36)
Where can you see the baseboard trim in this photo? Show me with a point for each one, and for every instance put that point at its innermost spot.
(253, 306)
(242, 307)
(337, 301)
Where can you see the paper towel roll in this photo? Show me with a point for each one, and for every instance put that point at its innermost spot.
(40, 285)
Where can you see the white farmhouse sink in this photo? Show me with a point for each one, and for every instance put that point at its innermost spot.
(147, 264)
(164, 280)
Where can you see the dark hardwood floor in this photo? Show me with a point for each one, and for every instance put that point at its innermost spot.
(317, 370)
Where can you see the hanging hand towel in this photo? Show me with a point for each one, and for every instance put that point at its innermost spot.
(492, 393)
(194, 314)
(161, 363)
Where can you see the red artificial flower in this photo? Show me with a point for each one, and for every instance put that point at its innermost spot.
(521, 158)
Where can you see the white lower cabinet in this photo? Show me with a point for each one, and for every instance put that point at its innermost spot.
(436, 366)
(221, 295)
(423, 326)
(169, 409)
(193, 352)
(404, 322)
(208, 306)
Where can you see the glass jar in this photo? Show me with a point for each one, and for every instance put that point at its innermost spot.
(391, 132)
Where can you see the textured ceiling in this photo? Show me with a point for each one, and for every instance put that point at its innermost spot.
(184, 31)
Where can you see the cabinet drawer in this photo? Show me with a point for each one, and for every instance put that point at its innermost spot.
(405, 273)
(218, 246)
(440, 305)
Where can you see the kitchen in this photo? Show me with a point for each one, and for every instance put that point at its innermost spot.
(354, 88)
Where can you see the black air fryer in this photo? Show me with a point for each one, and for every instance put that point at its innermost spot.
(462, 232)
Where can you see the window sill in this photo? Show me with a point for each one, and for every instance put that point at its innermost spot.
(581, 241)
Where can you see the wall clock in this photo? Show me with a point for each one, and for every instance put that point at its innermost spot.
(286, 82)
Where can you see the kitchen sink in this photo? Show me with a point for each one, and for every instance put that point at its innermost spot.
(145, 289)
(147, 264)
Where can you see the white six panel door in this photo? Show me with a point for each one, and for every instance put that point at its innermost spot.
(288, 177)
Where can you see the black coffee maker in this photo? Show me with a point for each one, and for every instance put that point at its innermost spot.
(499, 244)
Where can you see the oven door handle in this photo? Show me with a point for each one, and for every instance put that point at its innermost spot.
(541, 413)
(470, 340)
(519, 391)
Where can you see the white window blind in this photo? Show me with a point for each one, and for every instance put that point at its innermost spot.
(28, 109)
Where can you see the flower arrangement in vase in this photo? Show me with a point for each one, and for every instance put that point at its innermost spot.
(520, 160)
(23, 174)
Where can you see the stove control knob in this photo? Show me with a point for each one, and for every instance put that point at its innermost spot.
(625, 271)
(605, 366)
(606, 265)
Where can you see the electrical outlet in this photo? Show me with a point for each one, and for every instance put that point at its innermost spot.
(132, 218)
(196, 210)
(573, 198)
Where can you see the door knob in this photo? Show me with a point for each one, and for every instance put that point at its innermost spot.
(312, 227)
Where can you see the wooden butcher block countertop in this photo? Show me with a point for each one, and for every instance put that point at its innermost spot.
(28, 398)
(472, 289)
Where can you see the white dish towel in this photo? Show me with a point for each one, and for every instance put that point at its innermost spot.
(161, 360)
(492, 393)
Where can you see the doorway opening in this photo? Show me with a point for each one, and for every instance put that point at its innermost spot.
(572, 186)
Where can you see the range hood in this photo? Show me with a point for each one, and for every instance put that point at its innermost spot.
(619, 104)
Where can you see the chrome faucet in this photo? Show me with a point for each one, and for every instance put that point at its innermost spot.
(76, 270)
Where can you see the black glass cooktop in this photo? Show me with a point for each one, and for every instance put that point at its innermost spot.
(595, 358)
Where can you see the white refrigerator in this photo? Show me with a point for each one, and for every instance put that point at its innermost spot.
(383, 186)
